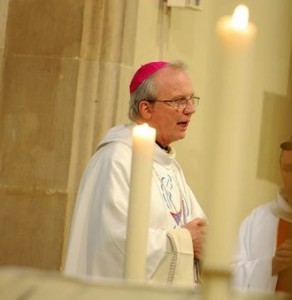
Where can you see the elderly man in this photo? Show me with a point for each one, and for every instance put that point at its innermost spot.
(161, 95)
(264, 256)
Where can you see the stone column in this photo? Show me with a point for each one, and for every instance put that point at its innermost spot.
(61, 63)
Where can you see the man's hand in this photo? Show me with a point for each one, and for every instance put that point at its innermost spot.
(197, 229)
(282, 259)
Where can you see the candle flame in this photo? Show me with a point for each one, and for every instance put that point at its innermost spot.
(240, 17)
(145, 131)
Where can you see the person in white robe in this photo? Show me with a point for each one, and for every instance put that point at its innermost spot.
(258, 262)
(162, 95)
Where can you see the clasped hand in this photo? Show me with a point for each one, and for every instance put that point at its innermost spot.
(282, 259)
(197, 229)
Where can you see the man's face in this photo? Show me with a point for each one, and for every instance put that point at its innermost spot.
(170, 122)
(286, 173)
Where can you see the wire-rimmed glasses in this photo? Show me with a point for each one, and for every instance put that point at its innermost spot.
(180, 103)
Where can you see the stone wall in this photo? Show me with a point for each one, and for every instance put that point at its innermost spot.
(51, 115)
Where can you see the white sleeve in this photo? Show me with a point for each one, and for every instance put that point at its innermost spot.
(251, 273)
(98, 235)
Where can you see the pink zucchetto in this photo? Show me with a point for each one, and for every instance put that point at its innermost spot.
(144, 72)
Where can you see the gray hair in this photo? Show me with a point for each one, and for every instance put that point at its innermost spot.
(147, 91)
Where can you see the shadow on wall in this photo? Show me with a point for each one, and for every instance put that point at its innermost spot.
(276, 127)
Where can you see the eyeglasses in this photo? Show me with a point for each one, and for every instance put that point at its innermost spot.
(180, 103)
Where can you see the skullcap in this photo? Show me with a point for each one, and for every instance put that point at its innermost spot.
(144, 72)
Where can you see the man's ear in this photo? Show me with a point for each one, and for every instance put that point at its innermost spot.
(145, 109)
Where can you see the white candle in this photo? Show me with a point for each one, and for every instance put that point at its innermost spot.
(231, 92)
(139, 202)
(232, 95)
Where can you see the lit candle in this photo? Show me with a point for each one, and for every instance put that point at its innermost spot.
(139, 202)
(236, 32)
(232, 93)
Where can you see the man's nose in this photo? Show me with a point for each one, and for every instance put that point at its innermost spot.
(190, 108)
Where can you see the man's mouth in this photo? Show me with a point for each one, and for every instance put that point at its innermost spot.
(183, 124)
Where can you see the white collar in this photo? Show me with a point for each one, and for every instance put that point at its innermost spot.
(281, 209)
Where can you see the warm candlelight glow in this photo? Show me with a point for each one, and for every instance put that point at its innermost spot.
(143, 131)
(236, 31)
(239, 18)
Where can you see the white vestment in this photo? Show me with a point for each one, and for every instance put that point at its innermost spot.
(257, 242)
(98, 231)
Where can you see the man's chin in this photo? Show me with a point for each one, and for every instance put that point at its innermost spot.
(181, 135)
